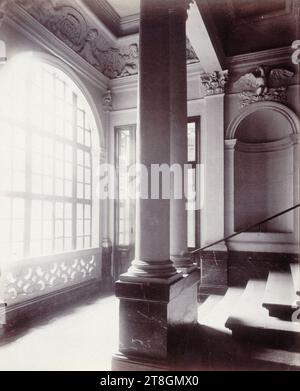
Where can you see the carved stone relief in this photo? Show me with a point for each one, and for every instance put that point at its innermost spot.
(71, 26)
(107, 100)
(264, 85)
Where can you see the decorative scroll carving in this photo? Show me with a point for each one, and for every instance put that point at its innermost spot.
(215, 82)
(263, 85)
(107, 100)
(43, 277)
(70, 25)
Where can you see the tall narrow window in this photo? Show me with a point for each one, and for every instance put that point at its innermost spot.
(193, 158)
(45, 162)
(125, 207)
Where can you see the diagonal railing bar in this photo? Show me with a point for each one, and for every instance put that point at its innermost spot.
(246, 229)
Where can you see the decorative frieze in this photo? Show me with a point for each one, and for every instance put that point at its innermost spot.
(72, 27)
(264, 84)
(215, 82)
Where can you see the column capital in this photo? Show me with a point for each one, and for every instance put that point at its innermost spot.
(214, 82)
(230, 144)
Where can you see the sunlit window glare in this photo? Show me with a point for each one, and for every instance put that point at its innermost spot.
(45, 161)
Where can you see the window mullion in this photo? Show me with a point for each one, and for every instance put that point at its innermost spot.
(28, 172)
(74, 190)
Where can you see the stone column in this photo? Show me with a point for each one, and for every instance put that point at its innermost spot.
(152, 242)
(214, 260)
(178, 135)
(157, 305)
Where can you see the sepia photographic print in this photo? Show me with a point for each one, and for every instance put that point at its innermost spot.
(149, 188)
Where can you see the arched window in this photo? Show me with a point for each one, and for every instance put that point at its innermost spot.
(46, 189)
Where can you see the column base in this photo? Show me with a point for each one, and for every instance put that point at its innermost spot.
(188, 270)
(156, 318)
(183, 263)
(130, 277)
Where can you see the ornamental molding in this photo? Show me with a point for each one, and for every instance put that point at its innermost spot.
(71, 26)
(269, 56)
(215, 82)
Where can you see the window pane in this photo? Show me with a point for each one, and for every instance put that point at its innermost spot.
(39, 126)
(191, 141)
(125, 146)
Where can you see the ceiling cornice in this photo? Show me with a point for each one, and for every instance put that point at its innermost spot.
(119, 26)
(264, 56)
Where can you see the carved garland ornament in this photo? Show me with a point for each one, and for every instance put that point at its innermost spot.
(69, 25)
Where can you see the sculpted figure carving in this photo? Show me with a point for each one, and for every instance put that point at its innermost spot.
(264, 84)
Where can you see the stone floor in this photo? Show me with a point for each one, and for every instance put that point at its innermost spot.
(85, 336)
(81, 338)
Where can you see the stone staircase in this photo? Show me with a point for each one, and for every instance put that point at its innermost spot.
(254, 324)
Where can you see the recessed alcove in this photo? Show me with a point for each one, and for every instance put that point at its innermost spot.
(263, 171)
(263, 127)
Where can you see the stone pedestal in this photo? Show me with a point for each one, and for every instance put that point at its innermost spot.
(155, 319)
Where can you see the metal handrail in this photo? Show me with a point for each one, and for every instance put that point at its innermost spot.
(246, 229)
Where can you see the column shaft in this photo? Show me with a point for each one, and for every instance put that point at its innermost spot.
(178, 137)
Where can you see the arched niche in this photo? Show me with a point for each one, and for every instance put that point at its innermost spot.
(261, 168)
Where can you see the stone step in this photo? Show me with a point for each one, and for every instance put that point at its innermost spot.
(215, 318)
(250, 321)
(277, 359)
(295, 269)
(280, 297)
(207, 306)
